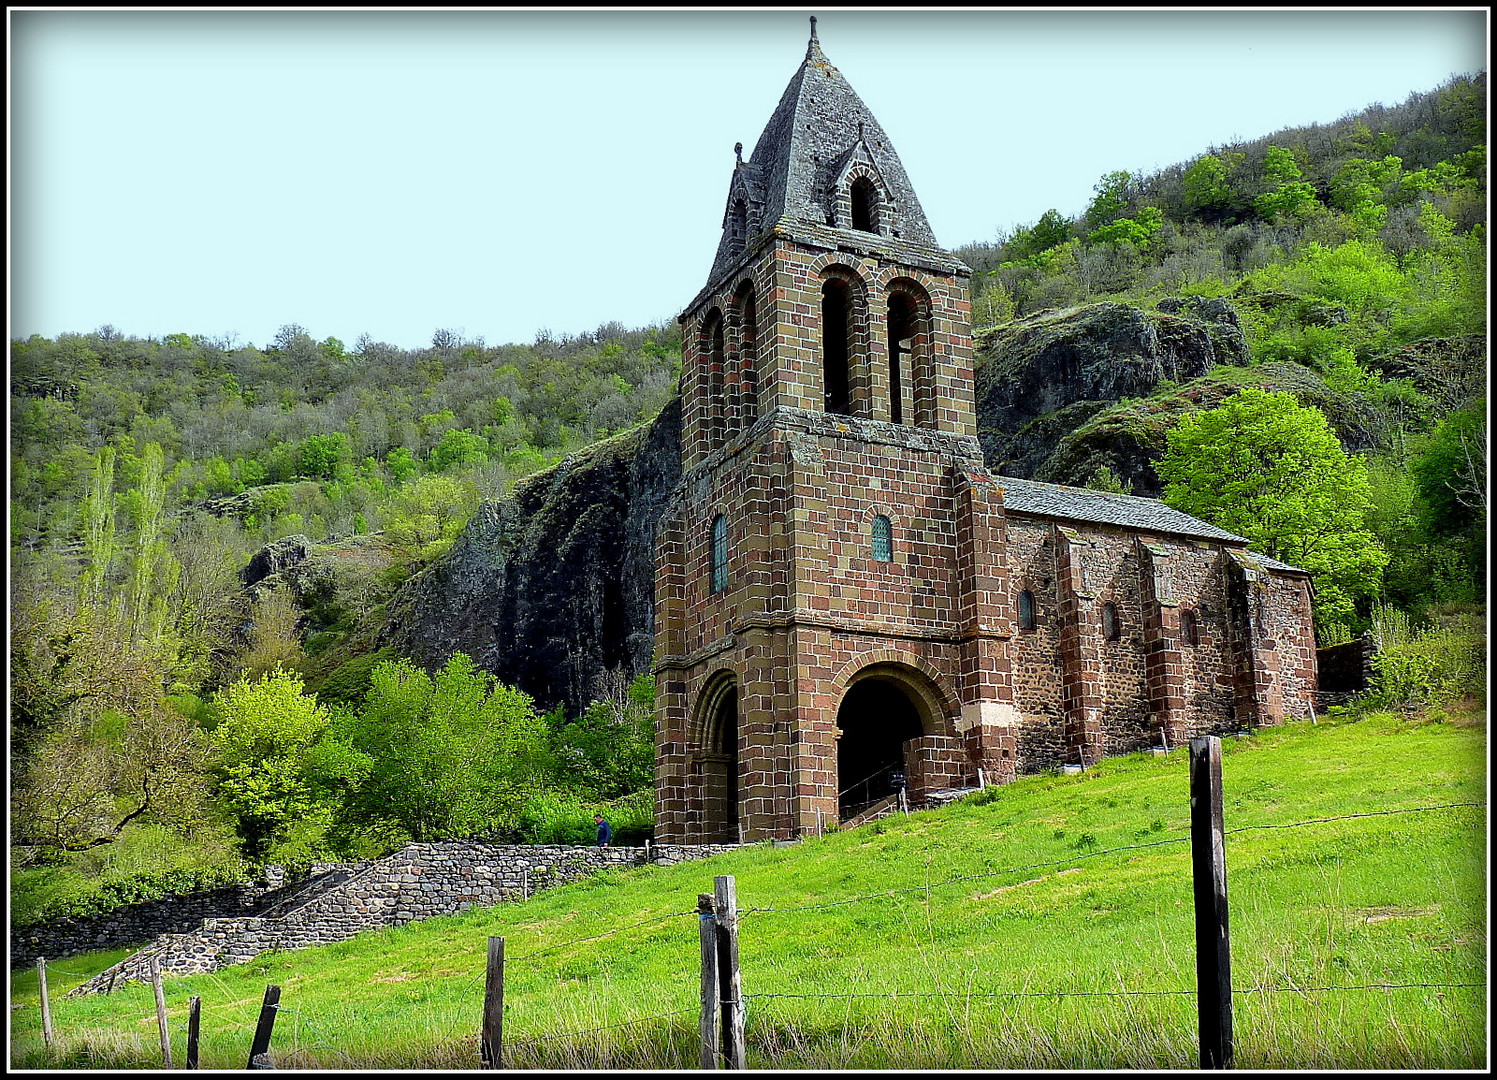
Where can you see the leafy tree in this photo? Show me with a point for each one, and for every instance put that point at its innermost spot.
(610, 748)
(1290, 198)
(1031, 240)
(1451, 473)
(1266, 468)
(320, 455)
(1209, 191)
(453, 754)
(280, 771)
(1114, 193)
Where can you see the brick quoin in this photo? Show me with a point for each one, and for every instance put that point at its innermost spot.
(827, 393)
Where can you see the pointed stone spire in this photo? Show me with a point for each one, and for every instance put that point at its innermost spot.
(811, 134)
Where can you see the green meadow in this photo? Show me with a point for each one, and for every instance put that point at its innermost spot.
(1045, 924)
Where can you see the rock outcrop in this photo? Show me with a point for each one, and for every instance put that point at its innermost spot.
(553, 588)
(1041, 377)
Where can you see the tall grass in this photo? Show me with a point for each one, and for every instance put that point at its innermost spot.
(1046, 924)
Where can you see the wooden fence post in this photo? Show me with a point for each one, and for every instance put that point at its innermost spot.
(161, 1025)
(1209, 876)
(491, 1045)
(261, 1046)
(194, 1022)
(707, 922)
(41, 985)
(729, 983)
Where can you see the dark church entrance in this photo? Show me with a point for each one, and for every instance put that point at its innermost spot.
(874, 722)
(719, 766)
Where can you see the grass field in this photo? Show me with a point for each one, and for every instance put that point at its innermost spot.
(1046, 924)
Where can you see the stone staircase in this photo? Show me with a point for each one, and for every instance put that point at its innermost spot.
(418, 882)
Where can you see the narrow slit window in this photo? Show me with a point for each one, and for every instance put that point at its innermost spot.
(864, 198)
(1110, 629)
(836, 353)
(1026, 610)
(883, 539)
(719, 553)
(1188, 632)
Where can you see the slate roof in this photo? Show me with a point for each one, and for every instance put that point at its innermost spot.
(793, 167)
(1129, 511)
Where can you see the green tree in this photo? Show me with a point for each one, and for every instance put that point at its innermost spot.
(1265, 467)
(280, 771)
(453, 754)
(1031, 240)
(1290, 198)
(1114, 192)
(1209, 191)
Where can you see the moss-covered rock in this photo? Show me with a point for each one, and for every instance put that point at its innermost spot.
(1045, 365)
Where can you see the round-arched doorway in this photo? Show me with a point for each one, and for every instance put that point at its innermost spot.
(717, 764)
(879, 714)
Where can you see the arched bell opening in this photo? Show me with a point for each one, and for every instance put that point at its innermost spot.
(880, 713)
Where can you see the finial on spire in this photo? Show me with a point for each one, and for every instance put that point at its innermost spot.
(813, 27)
(738, 152)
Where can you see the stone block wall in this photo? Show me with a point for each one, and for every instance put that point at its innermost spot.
(418, 882)
(135, 923)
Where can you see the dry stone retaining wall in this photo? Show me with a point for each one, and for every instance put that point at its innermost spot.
(61, 938)
(418, 882)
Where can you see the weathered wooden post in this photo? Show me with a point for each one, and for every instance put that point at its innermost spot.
(194, 1023)
(1209, 876)
(161, 1026)
(491, 1045)
(260, 1048)
(707, 924)
(729, 983)
(41, 985)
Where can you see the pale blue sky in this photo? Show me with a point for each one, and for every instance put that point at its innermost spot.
(498, 172)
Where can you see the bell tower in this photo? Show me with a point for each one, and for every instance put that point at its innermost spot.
(829, 573)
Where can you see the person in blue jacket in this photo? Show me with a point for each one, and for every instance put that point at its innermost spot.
(605, 831)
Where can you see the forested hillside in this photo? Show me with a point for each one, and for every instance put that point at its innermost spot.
(170, 724)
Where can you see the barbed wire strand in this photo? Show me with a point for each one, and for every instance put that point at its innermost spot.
(606, 1027)
(1348, 817)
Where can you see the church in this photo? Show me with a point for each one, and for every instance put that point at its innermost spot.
(847, 602)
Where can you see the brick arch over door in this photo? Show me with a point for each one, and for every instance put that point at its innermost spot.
(886, 707)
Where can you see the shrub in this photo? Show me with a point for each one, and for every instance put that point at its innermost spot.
(1432, 664)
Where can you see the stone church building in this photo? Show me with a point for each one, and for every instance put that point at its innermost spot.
(844, 592)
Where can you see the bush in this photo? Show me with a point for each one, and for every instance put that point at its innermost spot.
(1433, 664)
(556, 818)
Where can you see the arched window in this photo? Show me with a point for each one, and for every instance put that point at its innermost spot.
(713, 347)
(864, 197)
(719, 553)
(1110, 629)
(883, 539)
(1188, 627)
(1026, 610)
(836, 342)
(901, 342)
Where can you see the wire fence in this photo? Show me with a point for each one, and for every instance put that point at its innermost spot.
(310, 1035)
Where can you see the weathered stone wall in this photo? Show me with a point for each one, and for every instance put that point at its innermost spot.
(418, 882)
(135, 923)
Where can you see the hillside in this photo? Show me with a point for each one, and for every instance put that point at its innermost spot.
(1046, 924)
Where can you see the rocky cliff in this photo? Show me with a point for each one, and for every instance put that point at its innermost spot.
(1044, 376)
(554, 587)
